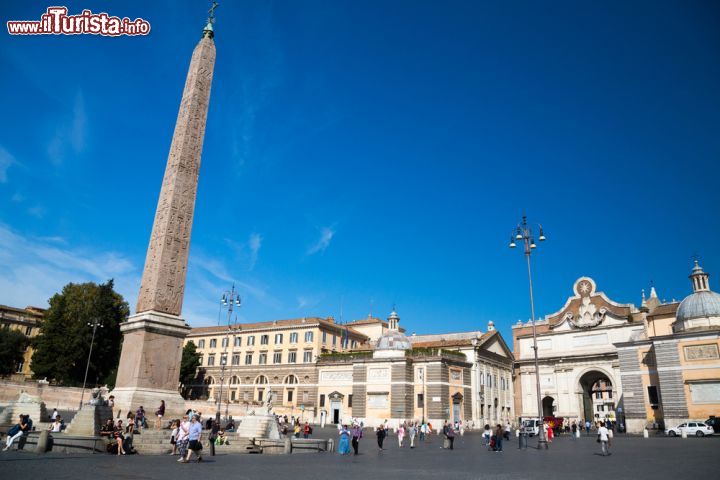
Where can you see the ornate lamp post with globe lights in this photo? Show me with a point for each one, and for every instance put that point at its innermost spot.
(230, 300)
(523, 232)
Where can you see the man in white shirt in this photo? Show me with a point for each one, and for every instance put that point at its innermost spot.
(604, 436)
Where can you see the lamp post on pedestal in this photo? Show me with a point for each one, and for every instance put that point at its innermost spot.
(95, 324)
(230, 300)
(524, 232)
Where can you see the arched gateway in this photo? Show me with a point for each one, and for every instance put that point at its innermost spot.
(598, 400)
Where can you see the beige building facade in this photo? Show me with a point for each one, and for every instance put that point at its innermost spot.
(25, 320)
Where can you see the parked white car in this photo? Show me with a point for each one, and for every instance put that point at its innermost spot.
(699, 429)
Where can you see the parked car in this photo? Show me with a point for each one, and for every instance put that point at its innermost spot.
(699, 429)
(714, 422)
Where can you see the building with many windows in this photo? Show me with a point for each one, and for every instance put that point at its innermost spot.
(24, 320)
(366, 369)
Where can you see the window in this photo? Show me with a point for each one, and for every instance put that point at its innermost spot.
(308, 336)
(420, 373)
(251, 340)
(200, 360)
(248, 359)
(305, 397)
(238, 341)
(324, 337)
(290, 380)
(213, 342)
(224, 342)
(234, 380)
(482, 380)
(223, 359)
(420, 400)
(263, 359)
(236, 359)
(261, 380)
(232, 395)
(307, 356)
(290, 396)
(489, 380)
(277, 357)
(598, 394)
(322, 400)
(28, 331)
(278, 338)
(201, 343)
(264, 339)
(292, 357)
(350, 401)
(334, 340)
(211, 360)
(354, 344)
(260, 395)
(609, 393)
(293, 337)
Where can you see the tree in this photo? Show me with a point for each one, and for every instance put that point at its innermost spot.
(188, 367)
(12, 350)
(61, 349)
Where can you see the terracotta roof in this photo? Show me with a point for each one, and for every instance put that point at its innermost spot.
(664, 309)
(293, 322)
(367, 321)
(450, 342)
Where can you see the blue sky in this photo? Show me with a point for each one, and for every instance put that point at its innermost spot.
(371, 153)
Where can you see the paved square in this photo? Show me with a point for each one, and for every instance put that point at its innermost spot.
(632, 457)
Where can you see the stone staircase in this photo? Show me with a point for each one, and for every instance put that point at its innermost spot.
(89, 420)
(157, 442)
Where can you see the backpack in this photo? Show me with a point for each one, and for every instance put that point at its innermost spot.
(29, 425)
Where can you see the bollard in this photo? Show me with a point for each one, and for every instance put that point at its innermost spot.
(331, 445)
(577, 434)
(683, 433)
(646, 434)
(288, 445)
(517, 432)
(42, 443)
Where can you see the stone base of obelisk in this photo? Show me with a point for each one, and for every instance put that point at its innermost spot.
(149, 369)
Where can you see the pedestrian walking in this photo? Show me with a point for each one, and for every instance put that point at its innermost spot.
(487, 433)
(344, 444)
(449, 433)
(356, 436)
(604, 436)
(423, 431)
(498, 438)
(587, 427)
(182, 440)
(508, 431)
(380, 433)
(412, 431)
(573, 430)
(174, 427)
(307, 430)
(194, 440)
(401, 434)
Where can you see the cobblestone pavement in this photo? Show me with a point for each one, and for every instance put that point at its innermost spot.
(632, 458)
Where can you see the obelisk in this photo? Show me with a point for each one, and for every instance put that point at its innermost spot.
(149, 369)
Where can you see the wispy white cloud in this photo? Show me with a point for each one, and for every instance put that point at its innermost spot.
(326, 236)
(247, 252)
(6, 161)
(305, 302)
(254, 243)
(208, 278)
(70, 134)
(33, 269)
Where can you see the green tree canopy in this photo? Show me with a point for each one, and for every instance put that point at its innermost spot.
(188, 367)
(12, 349)
(61, 349)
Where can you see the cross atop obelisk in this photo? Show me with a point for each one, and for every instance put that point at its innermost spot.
(149, 368)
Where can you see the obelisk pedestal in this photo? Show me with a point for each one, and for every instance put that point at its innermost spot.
(149, 369)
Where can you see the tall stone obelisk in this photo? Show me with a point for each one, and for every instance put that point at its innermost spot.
(149, 369)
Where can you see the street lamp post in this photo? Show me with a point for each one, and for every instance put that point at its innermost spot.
(230, 300)
(95, 324)
(524, 232)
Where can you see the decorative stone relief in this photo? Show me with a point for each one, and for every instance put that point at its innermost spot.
(378, 374)
(702, 352)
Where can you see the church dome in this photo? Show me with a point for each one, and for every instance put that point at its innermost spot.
(701, 309)
(392, 343)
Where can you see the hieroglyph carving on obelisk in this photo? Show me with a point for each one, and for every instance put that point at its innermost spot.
(163, 281)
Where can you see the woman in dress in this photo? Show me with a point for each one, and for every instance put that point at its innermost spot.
(401, 434)
(344, 445)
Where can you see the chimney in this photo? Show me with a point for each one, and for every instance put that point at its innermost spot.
(491, 326)
(331, 319)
